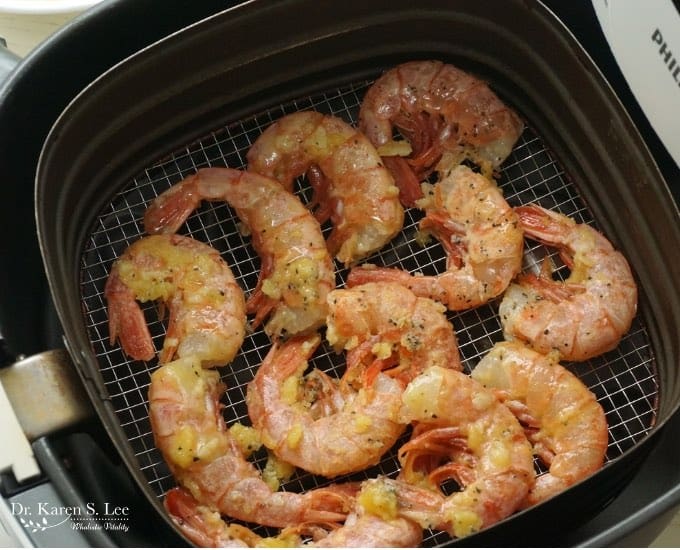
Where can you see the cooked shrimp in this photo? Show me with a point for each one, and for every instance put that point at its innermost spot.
(480, 233)
(348, 425)
(585, 315)
(351, 186)
(207, 461)
(383, 326)
(206, 306)
(446, 116)
(466, 434)
(204, 527)
(563, 419)
(359, 427)
(297, 270)
(374, 522)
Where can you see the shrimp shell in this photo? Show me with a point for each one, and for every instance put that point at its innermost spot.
(388, 319)
(390, 336)
(466, 434)
(206, 460)
(206, 306)
(565, 423)
(446, 115)
(481, 235)
(352, 188)
(297, 270)
(353, 435)
(585, 315)
(204, 527)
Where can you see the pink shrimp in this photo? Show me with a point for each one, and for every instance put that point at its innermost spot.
(480, 233)
(383, 326)
(445, 114)
(297, 270)
(362, 529)
(564, 421)
(463, 433)
(208, 462)
(585, 315)
(348, 426)
(354, 431)
(206, 306)
(352, 188)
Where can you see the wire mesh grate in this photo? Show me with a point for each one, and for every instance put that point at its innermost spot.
(624, 380)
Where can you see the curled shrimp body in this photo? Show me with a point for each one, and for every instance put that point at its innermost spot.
(479, 231)
(464, 433)
(208, 462)
(384, 327)
(585, 315)
(564, 421)
(351, 432)
(445, 114)
(390, 335)
(362, 529)
(296, 269)
(206, 306)
(351, 186)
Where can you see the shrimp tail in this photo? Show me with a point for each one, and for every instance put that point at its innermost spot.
(168, 212)
(126, 321)
(543, 225)
(203, 526)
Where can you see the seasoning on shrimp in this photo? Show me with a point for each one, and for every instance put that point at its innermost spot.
(346, 426)
(205, 459)
(446, 116)
(583, 316)
(351, 186)
(479, 231)
(462, 433)
(297, 270)
(204, 527)
(384, 327)
(206, 306)
(564, 422)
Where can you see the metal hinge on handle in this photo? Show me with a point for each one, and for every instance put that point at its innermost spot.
(39, 395)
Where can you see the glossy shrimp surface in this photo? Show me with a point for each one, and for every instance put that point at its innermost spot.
(563, 420)
(385, 327)
(351, 186)
(465, 434)
(583, 316)
(336, 430)
(481, 234)
(363, 529)
(208, 462)
(332, 427)
(446, 116)
(206, 306)
(296, 269)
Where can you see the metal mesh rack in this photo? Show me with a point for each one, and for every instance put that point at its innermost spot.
(625, 380)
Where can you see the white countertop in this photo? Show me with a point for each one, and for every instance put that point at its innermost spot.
(25, 31)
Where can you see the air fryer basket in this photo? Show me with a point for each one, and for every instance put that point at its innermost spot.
(579, 154)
